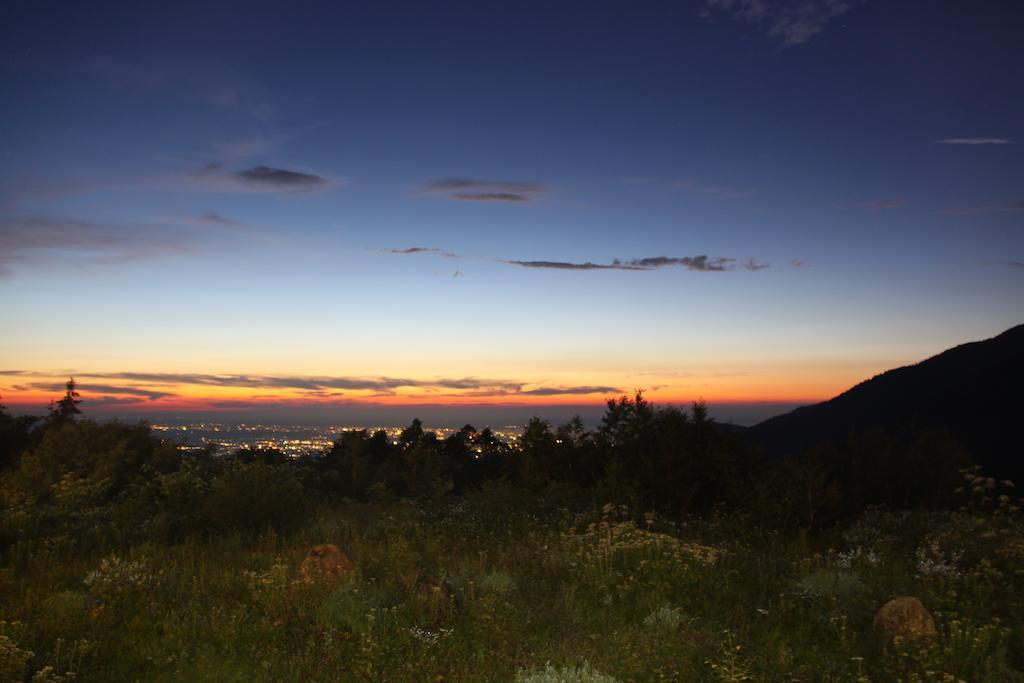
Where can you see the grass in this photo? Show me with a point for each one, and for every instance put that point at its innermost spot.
(537, 594)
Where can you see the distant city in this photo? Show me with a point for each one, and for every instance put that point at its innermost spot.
(294, 441)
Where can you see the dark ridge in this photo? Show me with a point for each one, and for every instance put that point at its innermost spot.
(971, 391)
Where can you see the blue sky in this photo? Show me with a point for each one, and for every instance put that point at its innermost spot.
(752, 201)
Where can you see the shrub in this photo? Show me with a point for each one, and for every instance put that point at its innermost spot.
(253, 498)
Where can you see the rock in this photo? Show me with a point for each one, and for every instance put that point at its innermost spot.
(326, 563)
(903, 617)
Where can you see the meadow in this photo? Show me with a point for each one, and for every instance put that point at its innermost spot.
(658, 547)
(501, 585)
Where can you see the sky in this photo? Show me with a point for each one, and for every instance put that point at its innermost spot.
(322, 211)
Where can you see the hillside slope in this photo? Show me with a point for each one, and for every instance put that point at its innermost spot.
(973, 391)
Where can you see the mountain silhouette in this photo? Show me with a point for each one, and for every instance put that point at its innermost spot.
(971, 391)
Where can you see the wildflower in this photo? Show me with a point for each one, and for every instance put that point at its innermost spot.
(565, 674)
(428, 637)
(932, 561)
(115, 576)
(608, 538)
(665, 617)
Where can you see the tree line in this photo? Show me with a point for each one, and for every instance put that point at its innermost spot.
(65, 479)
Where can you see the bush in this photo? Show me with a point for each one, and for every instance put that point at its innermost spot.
(251, 498)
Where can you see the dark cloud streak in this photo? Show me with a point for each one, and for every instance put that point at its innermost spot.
(420, 250)
(975, 141)
(564, 265)
(490, 196)
(312, 386)
(466, 189)
(448, 184)
(280, 178)
(701, 263)
(565, 391)
(86, 387)
(415, 250)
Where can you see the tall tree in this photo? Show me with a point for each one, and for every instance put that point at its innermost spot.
(66, 408)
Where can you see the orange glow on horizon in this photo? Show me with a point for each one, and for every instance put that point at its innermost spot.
(221, 399)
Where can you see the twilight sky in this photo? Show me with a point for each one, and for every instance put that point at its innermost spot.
(371, 211)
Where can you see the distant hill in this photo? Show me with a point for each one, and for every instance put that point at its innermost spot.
(973, 391)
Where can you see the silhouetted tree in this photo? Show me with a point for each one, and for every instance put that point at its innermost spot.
(486, 444)
(267, 456)
(66, 408)
(411, 435)
(348, 468)
(378, 446)
(537, 446)
(572, 432)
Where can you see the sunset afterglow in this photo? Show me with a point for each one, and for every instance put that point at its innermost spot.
(583, 209)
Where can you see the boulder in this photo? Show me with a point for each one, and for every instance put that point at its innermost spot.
(326, 563)
(903, 618)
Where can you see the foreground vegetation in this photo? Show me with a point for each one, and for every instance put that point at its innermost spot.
(565, 559)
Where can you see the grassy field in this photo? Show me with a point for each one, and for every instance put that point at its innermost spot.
(499, 587)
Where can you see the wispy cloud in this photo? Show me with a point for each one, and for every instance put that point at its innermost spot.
(413, 250)
(793, 21)
(106, 401)
(1015, 206)
(976, 141)
(566, 265)
(85, 388)
(565, 391)
(215, 177)
(214, 218)
(156, 386)
(490, 196)
(701, 263)
(281, 178)
(464, 189)
(28, 240)
(421, 250)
